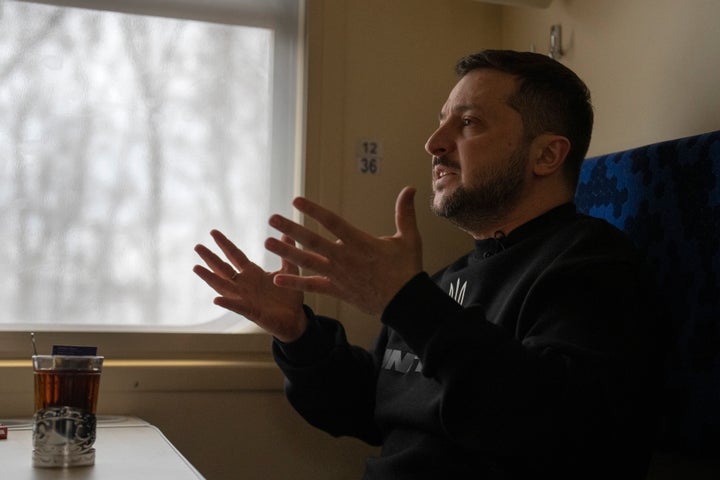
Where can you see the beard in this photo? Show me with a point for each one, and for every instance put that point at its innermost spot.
(494, 193)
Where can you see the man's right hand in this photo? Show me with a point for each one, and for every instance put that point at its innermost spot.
(248, 290)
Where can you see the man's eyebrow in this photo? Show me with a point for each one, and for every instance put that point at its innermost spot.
(459, 109)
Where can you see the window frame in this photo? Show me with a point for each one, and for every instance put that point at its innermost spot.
(224, 337)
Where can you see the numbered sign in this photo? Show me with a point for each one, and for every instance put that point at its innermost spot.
(369, 156)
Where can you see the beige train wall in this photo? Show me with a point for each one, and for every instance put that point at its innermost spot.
(653, 66)
(380, 70)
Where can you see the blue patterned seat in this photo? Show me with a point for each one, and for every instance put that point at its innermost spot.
(666, 196)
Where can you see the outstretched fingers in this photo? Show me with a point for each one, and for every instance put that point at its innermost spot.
(310, 284)
(331, 221)
(217, 265)
(292, 255)
(232, 252)
(220, 275)
(287, 267)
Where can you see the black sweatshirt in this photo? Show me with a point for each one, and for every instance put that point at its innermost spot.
(533, 355)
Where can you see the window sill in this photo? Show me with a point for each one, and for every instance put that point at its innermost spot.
(138, 345)
(255, 372)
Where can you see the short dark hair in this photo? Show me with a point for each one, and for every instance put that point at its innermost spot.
(550, 98)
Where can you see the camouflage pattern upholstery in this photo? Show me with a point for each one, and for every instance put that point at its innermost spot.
(666, 196)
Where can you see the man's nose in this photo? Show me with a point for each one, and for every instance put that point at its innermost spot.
(439, 143)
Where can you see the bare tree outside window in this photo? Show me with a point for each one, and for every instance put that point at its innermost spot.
(123, 140)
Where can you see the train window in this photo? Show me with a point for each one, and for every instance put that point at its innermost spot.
(126, 134)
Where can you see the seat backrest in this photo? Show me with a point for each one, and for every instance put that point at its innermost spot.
(666, 197)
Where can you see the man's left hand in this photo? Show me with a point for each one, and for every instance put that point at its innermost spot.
(358, 268)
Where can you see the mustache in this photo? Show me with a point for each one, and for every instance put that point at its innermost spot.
(442, 161)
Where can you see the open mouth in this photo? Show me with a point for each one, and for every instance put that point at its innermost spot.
(443, 172)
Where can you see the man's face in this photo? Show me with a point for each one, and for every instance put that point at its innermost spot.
(480, 160)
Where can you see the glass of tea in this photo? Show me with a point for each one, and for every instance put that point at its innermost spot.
(66, 392)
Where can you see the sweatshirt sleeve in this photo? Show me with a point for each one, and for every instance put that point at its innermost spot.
(330, 382)
(573, 381)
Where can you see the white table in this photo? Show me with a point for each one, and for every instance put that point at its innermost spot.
(126, 448)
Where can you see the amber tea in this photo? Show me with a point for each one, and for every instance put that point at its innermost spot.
(76, 389)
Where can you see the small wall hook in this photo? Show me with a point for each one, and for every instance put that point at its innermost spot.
(556, 50)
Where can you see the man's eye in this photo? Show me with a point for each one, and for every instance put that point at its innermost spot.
(467, 121)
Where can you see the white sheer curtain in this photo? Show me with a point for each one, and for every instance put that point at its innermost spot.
(126, 137)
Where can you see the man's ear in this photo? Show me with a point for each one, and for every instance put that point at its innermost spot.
(550, 153)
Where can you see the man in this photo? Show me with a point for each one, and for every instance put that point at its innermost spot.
(531, 356)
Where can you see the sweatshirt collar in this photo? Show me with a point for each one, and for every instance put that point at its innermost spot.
(488, 247)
